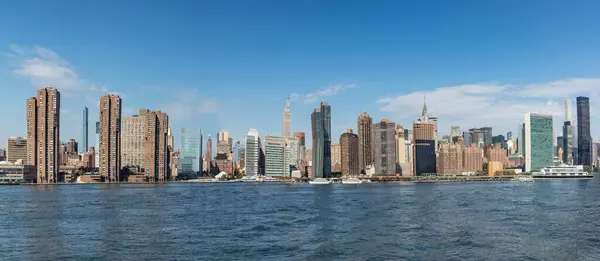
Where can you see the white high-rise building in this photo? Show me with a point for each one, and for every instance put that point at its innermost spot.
(252, 156)
(287, 120)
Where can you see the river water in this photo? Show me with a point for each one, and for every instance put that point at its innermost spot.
(544, 220)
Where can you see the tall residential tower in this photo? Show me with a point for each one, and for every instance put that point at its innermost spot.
(110, 138)
(365, 140)
(43, 134)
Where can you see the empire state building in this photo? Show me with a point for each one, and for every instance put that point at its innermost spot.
(287, 120)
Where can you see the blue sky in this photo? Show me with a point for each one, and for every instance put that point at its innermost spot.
(229, 64)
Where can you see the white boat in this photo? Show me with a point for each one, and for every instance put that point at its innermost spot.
(250, 179)
(562, 171)
(320, 181)
(525, 178)
(351, 181)
(365, 181)
(267, 179)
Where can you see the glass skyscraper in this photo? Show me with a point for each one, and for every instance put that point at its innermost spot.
(539, 139)
(321, 136)
(584, 137)
(190, 157)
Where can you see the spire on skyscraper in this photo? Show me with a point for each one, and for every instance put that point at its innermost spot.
(286, 127)
(424, 115)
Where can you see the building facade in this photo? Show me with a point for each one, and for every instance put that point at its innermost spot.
(539, 150)
(336, 157)
(252, 154)
(472, 159)
(133, 136)
(110, 138)
(384, 148)
(450, 159)
(349, 153)
(286, 128)
(424, 148)
(584, 137)
(365, 140)
(190, 155)
(43, 134)
(84, 135)
(275, 164)
(321, 136)
(16, 150)
(496, 153)
(156, 151)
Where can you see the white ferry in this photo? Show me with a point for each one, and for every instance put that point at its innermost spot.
(267, 179)
(525, 178)
(250, 179)
(562, 171)
(320, 181)
(351, 181)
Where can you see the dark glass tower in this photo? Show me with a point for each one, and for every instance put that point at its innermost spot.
(321, 138)
(584, 137)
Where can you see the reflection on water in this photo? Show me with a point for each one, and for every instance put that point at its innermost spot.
(503, 221)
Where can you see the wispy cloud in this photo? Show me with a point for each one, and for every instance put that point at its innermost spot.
(188, 104)
(330, 90)
(44, 67)
(498, 105)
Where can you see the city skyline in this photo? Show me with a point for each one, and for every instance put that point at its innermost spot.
(385, 75)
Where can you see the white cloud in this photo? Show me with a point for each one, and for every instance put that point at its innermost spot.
(501, 106)
(188, 104)
(330, 90)
(43, 67)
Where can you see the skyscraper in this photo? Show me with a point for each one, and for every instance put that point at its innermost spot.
(252, 156)
(97, 160)
(424, 141)
(538, 141)
(349, 151)
(133, 139)
(467, 138)
(292, 154)
(156, 149)
(365, 140)
(384, 148)
(287, 120)
(487, 135)
(208, 156)
(321, 135)
(72, 146)
(275, 164)
(190, 156)
(110, 138)
(43, 134)
(336, 157)
(400, 145)
(84, 135)
(584, 137)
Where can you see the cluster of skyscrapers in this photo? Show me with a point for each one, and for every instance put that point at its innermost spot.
(141, 147)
